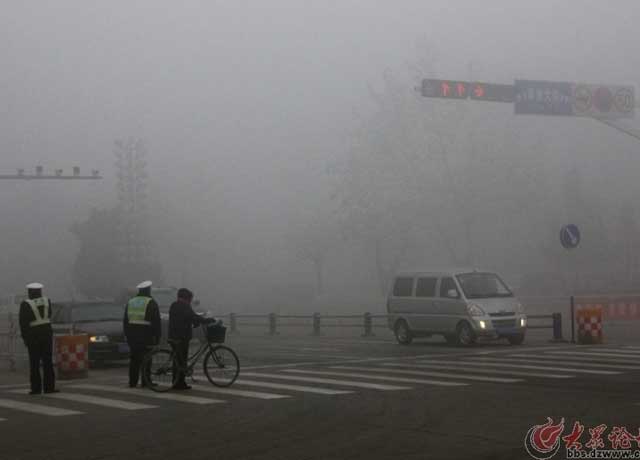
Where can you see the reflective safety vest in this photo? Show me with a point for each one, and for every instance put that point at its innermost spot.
(35, 304)
(137, 310)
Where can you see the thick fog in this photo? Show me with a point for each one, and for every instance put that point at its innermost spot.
(291, 163)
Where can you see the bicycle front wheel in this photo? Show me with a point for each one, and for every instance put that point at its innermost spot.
(221, 366)
(158, 370)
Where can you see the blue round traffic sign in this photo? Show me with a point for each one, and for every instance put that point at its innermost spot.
(570, 236)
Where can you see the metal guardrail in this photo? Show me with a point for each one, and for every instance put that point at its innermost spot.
(272, 321)
(8, 341)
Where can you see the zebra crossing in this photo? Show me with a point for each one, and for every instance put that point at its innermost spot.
(335, 379)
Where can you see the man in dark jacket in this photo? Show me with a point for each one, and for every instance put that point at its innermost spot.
(182, 319)
(37, 334)
(142, 328)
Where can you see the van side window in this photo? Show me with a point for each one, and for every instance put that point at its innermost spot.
(446, 285)
(403, 287)
(426, 287)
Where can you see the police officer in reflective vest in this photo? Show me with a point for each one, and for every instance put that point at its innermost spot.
(142, 328)
(37, 334)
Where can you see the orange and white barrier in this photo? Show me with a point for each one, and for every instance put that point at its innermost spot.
(619, 307)
(72, 356)
(589, 318)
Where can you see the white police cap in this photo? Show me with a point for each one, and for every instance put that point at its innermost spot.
(34, 286)
(144, 284)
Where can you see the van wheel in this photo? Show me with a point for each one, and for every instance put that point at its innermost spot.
(465, 336)
(516, 339)
(403, 333)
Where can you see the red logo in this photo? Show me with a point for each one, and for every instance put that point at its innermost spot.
(543, 441)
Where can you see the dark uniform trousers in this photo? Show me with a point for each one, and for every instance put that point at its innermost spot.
(181, 349)
(40, 350)
(138, 352)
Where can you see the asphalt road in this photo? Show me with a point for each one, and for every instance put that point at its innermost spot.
(345, 397)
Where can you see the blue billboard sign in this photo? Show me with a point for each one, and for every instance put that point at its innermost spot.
(534, 97)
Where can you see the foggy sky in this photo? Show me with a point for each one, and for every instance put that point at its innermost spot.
(243, 103)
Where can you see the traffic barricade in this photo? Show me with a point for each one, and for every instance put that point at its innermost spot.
(589, 319)
(72, 356)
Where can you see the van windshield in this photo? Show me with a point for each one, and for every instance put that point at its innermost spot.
(483, 286)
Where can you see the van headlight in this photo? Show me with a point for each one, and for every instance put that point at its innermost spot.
(523, 322)
(475, 310)
(98, 339)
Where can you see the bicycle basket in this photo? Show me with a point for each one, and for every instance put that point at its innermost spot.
(216, 333)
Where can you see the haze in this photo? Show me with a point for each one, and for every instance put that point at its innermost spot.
(259, 119)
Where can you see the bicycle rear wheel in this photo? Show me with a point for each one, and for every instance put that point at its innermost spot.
(157, 370)
(221, 366)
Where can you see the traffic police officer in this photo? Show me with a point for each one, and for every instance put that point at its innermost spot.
(142, 328)
(37, 334)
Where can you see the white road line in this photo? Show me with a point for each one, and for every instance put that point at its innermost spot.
(36, 408)
(347, 383)
(310, 356)
(3, 419)
(486, 371)
(625, 353)
(510, 349)
(570, 361)
(595, 354)
(234, 392)
(284, 386)
(15, 385)
(501, 363)
(106, 402)
(480, 378)
(632, 347)
(145, 393)
(380, 377)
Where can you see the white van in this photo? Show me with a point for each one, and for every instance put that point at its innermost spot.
(461, 305)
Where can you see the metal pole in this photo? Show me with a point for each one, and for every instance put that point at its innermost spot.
(368, 327)
(232, 323)
(316, 324)
(272, 324)
(622, 129)
(573, 321)
(557, 326)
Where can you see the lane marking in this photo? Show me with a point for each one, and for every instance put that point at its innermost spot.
(380, 377)
(15, 385)
(36, 408)
(480, 378)
(284, 386)
(564, 360)
(3, 419)
(594, 354)
(499, 363)
(348, 383)
(234, 392)
(145, 393)
(489, 371)
(625, 353)
(106, 402)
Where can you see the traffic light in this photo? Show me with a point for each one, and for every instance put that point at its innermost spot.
(479, 91)
(491, 92)
(448, 89)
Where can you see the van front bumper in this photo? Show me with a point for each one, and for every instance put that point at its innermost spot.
(493, 327)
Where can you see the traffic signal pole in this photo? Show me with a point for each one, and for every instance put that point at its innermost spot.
(622, 129)
(58, 175)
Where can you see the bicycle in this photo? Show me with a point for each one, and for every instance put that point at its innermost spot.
(162, 368)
